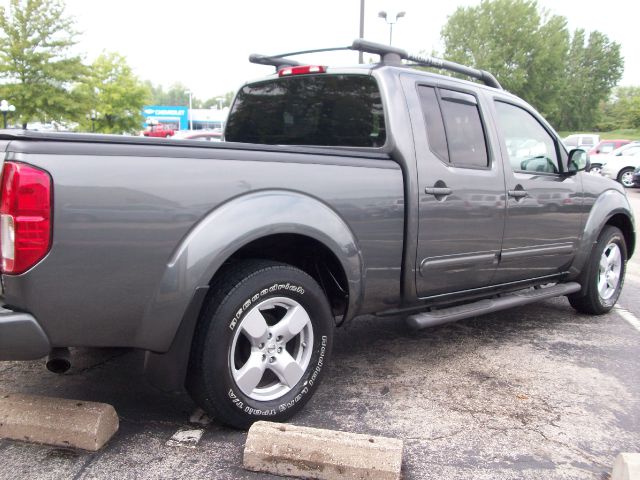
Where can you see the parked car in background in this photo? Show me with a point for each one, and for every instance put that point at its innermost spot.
(605, 147)
(636, 177)
(158, 130)
(200, 135)
(621, 163)
(585, 141)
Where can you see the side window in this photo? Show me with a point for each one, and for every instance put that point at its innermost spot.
(454, 127)
(529, 146)
(435, 125)
(467, 147)
(631, 151)
(571, 141)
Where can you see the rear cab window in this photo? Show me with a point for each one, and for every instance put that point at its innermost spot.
(324, 110)
(454, 127)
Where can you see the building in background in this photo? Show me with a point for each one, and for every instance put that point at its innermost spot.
(177, 117)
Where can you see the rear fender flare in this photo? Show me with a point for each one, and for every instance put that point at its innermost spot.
(224, 231)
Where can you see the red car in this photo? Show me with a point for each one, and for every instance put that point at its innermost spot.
(159, 130)
(607, 146)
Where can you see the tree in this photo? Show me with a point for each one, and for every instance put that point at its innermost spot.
(532, 54)
(113, 96)
(36, 63)
(220, 100)
(621, 111)
(592, 70)
(177, 94)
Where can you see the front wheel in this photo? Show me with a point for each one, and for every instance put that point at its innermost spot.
(625, 177)
(262, 344)
(604, 275)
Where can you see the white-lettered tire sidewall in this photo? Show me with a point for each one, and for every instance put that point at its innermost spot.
(239, 409)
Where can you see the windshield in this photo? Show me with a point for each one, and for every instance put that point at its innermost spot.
(331, 110)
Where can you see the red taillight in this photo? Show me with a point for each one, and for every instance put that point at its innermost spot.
(302, 70)
(25, 217)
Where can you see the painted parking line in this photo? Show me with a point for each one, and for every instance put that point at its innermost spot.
(629, 317)
(185, 438)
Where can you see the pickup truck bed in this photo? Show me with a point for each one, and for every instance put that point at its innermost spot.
(124, 209)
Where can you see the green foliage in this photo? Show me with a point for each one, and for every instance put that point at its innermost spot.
(532, 54)
(176, 95)
(622, 110)
(36, 65)
(227, 98)
(113, 95)
(594, 67)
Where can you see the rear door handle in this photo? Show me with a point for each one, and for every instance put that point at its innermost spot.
(437, 191)
(518, 193)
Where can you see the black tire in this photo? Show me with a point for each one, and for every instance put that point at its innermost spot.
(592, 301)
(624, 178)
(235, 296)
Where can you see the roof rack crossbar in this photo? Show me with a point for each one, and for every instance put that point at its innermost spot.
(279, 61)
(393, 55)
(389, 55)
(274, 61)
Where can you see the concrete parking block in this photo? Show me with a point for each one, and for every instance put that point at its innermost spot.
(57, 421)
(283, 449)
(626, 467)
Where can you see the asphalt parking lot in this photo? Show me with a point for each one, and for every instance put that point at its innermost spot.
(538, 392)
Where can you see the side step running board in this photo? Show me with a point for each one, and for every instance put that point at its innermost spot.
(515, 299)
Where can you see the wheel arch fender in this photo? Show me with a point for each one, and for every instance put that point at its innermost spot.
(610, 208)
(228, 228)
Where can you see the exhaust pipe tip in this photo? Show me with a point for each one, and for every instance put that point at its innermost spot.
(59, 360)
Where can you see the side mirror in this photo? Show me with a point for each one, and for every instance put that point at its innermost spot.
(578, 161)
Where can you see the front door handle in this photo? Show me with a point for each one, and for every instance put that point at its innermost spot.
(437, 191)
(518, 193)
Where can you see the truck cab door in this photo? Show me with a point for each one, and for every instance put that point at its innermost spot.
(544, 202)
(461, 193)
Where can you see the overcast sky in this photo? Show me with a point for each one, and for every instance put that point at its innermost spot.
(205, 44)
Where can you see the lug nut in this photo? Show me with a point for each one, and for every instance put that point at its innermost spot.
(272, 359)
(279, 349)
(279, 338)
(270, 335)
(261, 346)
(264, 357)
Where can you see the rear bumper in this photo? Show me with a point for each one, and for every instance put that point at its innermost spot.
(21, 337)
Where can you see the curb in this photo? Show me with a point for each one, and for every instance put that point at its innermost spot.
(57, 421)
(321, 454)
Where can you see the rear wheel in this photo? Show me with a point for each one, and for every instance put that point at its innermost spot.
(625, 177)
(261, 345)
(595, 168)
(605, 274)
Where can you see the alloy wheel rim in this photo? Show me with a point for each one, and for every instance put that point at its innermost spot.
(271, 348)
(627, 179)
(609, 270)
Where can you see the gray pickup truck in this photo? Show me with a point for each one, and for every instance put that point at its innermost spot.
(378, 189)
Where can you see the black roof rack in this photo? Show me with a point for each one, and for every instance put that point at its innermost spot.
(389, 55)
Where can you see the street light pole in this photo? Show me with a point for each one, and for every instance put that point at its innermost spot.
(383, 14)
(190, 103)
(6, 108)
(360, 53)
(94, 115)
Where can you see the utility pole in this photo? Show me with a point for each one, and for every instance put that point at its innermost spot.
(361, 54)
